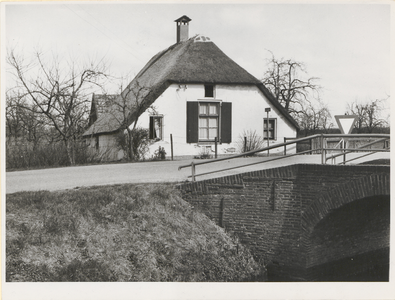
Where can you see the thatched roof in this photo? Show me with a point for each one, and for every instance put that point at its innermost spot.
(100, 105)
(196, 60)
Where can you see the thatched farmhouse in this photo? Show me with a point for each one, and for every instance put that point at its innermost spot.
(195, 93)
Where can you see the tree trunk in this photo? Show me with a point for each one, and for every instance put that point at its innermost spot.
(130, 145)
(70, 152)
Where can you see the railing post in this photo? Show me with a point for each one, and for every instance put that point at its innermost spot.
(322, 149)
(193, 171)
(245, 144)
(311, 146)
(216, 148)
(285, 146)
(171, 142)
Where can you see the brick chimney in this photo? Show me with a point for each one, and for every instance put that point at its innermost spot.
(182, 28)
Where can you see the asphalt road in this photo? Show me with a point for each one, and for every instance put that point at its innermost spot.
(142, 172)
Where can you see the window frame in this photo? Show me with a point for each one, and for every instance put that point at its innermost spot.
(152, 127)
(274, 129)
(209, 116)
(97, 141)
(209, 89)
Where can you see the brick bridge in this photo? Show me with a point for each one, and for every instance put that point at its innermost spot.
(308, 222)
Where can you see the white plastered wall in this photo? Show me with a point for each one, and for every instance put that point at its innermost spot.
(248, 113)
(107, 150)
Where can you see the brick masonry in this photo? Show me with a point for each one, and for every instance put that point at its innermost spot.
(276, 211)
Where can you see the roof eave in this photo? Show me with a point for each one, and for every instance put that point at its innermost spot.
(152, 96)
(172, 81)
(94, 134)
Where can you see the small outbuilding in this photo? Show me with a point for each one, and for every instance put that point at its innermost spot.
(195, 93)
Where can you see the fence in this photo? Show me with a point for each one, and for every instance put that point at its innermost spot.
(320, 143)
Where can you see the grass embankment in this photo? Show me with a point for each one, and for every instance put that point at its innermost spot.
(118, 233)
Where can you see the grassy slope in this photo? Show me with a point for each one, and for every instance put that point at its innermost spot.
(118, 233)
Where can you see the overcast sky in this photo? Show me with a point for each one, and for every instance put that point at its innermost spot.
(346, 45)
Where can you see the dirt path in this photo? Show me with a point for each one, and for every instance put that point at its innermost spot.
(160, 171)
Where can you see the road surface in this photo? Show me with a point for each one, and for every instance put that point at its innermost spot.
(142, 172)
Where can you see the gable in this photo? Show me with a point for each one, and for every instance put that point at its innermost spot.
(196, 60)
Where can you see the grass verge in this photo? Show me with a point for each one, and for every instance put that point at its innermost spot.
(118, 233)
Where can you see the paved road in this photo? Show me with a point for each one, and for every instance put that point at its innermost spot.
(160, 171)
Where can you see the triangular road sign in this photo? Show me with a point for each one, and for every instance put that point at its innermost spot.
(346, 123)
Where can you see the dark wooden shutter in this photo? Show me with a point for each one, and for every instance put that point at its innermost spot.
(226, 122)
(151, 127)
(192, 122)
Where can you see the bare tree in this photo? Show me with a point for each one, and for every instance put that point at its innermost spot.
(285, 79)
(58, 92)
(127, 109)
(23, 125)
(314, 117)
(14, 116)
(369, 114)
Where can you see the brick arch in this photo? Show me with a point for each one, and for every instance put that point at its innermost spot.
(372, 185)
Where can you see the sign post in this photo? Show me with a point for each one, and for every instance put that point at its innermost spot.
(267, 110)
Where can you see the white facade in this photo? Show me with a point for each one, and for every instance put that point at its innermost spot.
(248, 114)
(105, 147)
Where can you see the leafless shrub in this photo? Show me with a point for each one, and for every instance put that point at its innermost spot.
(254, 141)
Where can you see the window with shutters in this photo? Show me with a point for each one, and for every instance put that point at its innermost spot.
(272, 129)
(156, 128)
(208, 121)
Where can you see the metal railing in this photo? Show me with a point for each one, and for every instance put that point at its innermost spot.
(322, 149)
(360, 149)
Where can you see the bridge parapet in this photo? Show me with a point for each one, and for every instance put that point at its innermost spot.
(275, 210)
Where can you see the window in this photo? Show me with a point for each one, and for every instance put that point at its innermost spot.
(208, 121)
(272, 129)
(97, 142)
(209, 91)
(156, 127)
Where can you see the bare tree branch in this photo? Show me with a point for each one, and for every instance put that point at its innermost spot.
(57, 95)
(284, 79)
(369, 114)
